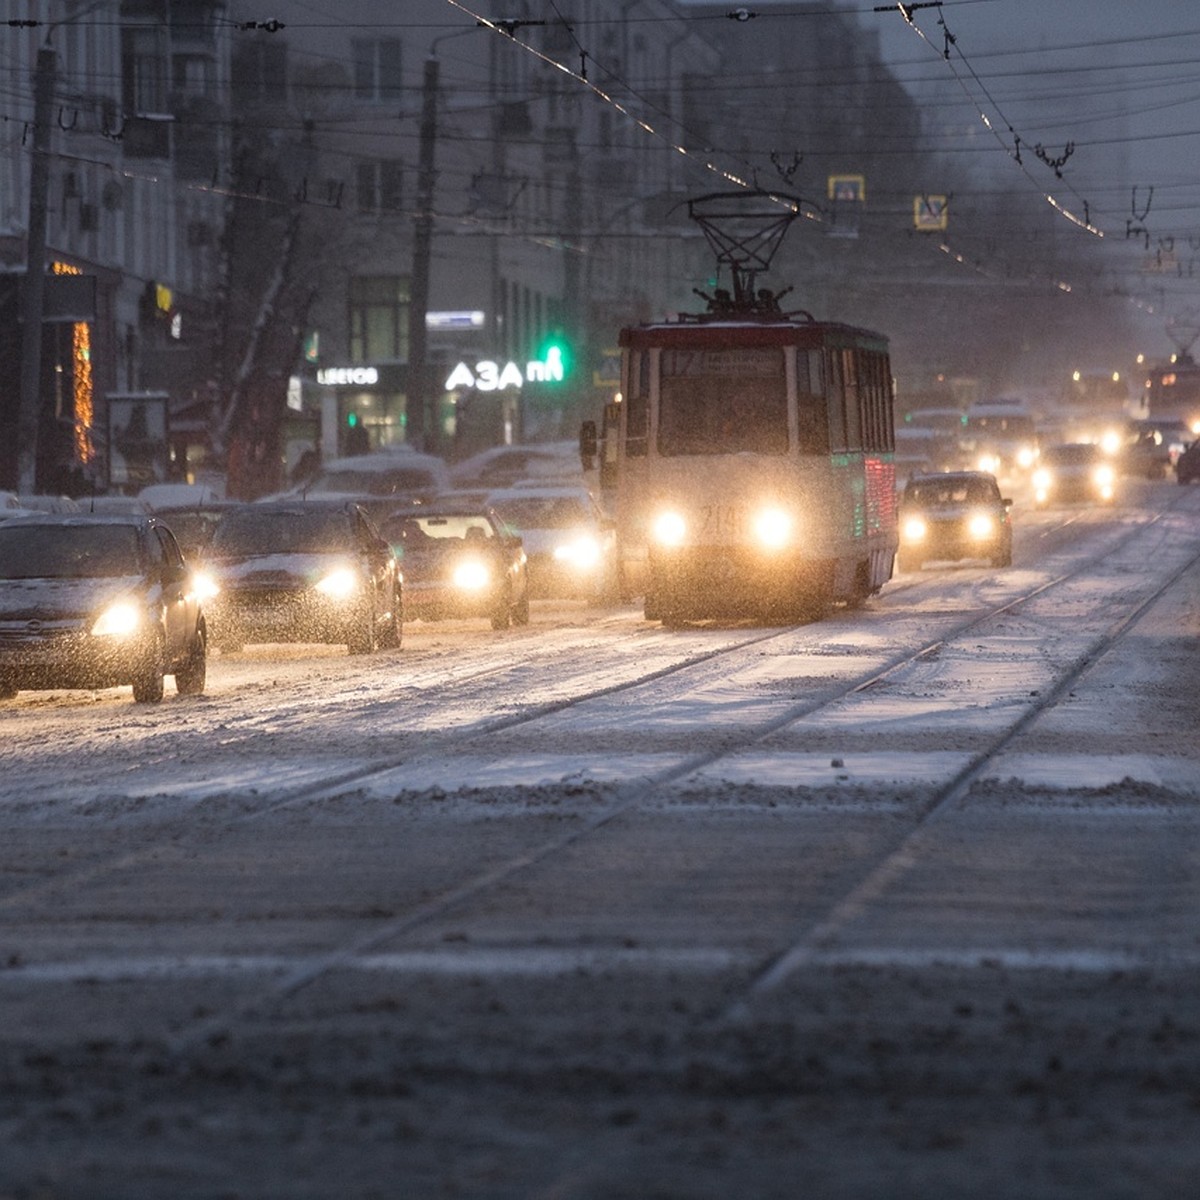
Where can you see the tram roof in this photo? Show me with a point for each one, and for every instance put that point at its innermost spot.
(699, 334)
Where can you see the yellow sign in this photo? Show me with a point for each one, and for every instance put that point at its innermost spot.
(931, 213)
(850, 188)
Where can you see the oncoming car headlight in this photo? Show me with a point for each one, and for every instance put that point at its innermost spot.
(204, 586)
(582, 552)
(118, 620)
(669, 529)
(773, 528)
(1026, 457)
(471, 575)
(339, 584)
(1042, 479)
(989, 463)
(914, 529)
(1104, 476)
(981, 525)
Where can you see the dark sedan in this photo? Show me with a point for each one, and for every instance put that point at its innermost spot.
(954, 515)
(97, 602)
(302, 571)
(460, 561)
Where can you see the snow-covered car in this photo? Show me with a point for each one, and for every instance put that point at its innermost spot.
(156, 496)
(459, 560)
(49, 504)
(390, 476)
(97, 601)
(302, 571)
(11, 506)
(1074, 471)
(502, 466)
(954, 515)
(570, 543)
(193, 525)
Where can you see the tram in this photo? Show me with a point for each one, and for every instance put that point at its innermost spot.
(1173, 392)
(748, 461)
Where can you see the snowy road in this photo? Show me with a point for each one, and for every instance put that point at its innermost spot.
(901, 901)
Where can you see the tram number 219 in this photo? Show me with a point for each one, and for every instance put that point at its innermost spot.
(723, 520)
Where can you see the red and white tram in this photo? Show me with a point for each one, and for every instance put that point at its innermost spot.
(749, 460)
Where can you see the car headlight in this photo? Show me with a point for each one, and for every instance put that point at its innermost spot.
(773, 528)
(1110, 442)
(1103, 476)
(582, 552)
(669, 529)
(204, 586)
(1041, 479)
(914, 529)
(339, 584)
(118, 620)
(981, 525)
(471, 575)
(989, 463)
(1026, 457)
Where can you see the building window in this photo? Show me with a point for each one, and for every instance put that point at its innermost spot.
(376, 69)
(143, 70)
(378, 186)
(378, 318)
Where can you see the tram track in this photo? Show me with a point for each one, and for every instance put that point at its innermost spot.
(625, 798)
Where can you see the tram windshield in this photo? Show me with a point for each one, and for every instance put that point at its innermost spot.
(722, 403)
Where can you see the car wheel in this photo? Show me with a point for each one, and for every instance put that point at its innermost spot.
(192, 676)
(148, 679)
(502, 613)
(520, 614)
(364, 637)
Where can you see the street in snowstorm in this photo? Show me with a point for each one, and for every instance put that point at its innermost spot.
(898, 902)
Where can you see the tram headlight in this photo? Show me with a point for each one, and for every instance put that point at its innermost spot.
(773, 528)
(981, 526)
(669, 528)
(914, 529)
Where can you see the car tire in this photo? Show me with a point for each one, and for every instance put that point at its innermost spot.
(502, 613)
(193, 674)
(148, 678)
(520, 614)
(364, 636)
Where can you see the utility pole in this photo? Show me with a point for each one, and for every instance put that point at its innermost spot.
(422, 424)
(32, 303)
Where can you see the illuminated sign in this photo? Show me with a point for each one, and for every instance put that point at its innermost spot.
(348, 376)
(489, 376)
(454, 320)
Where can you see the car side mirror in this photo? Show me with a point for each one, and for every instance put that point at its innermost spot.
(1007, 502)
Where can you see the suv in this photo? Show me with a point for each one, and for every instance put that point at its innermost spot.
(954, 515)
(95, 602)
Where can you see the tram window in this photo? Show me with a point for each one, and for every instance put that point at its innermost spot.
(835, 402)
(813, 420)
(636, 405)
(722, 415)
(853, 392)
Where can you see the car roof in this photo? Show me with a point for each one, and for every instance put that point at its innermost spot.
(953, 477)
(136, 519)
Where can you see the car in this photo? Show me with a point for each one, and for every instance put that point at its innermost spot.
(94, 602)
(1072, 472)
(502, 466)
(1153, 447)
(193, 525)
(390, 476)
(302, 571)
(954, 515)
(459, 560)
(570, 544)
(1187, 465)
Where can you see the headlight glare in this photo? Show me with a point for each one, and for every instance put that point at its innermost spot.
(340, 583)
(1041, 479)
(914, 529)
(669, 529)
(118, 620)
(981, 525)
(1103, 476)
(204, 586)
(471, 575)
(582, 552)
(773, 528)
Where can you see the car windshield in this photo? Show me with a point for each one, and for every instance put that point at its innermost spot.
(67, 551)
(936, 493)
(392, 482)
(542, 512)
(431, 531)
(1071, 455)
(312, 532)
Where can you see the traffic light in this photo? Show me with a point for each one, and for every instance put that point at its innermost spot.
(553, 361)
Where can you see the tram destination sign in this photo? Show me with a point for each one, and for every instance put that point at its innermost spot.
(747, 361)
